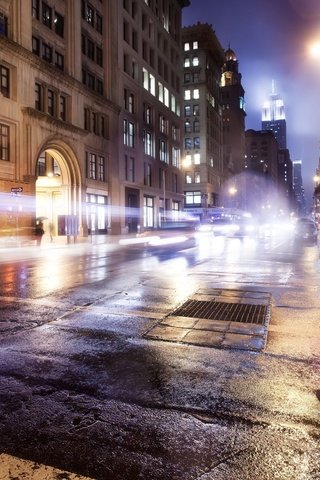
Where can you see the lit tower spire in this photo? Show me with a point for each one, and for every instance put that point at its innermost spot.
(273, 117)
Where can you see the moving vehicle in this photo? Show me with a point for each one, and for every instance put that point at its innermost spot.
(306, 229)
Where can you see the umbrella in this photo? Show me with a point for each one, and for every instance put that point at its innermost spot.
(40, 219)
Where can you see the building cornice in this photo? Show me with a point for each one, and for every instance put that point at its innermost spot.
(44, 117)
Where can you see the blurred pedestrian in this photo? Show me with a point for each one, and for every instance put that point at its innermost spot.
(39, 232)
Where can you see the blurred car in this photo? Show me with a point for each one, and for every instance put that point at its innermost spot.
(223, 226)
(169, 236)
(306, 229)
(245, 227)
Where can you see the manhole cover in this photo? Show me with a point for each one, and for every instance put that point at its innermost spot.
(232, 312)
(218, 318)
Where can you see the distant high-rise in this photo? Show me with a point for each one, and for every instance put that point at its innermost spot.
(233, 116)
(274, 119)
(298, 185)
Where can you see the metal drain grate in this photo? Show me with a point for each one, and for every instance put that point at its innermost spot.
(232, 312)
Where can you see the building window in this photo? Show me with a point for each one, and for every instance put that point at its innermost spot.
(147, 114)
(188, 177)
(131, 103)
(58, 24)
(187, 126)
(90, 15)
(193, 198)
(46, 15)
(46, 52)
(195, 61)
(35, 9)
(63, 108)
(94, 123)
(98, 23)
(196, 142)
(129, 169)
(163, 154)
(187, 94)
(90, 81)
(196, 110)
(92, 164)
(148, 211)
(90, 49)
(197, 177)
(4, 81)
(147, 141)
(163, 124)
(101, 168)
(36, 46)
(59, 60)
(187, 110)
(196, 126)
(99, 56)
(186, 46)
(187, 62)
(175, 156)
(50, 99)
(128, 133)
(187, 143)
(4, 142)
(147, 174)
(38, 97)
(196, 158)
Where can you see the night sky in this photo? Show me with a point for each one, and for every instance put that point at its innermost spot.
(272, 40)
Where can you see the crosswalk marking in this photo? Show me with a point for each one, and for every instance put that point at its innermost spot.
(14, 467)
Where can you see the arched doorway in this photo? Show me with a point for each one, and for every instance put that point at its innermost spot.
(58, 193)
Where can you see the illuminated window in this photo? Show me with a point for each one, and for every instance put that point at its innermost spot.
(193, 198)
(186, 46)
(196, 93)
(188, 177)
(196, 158)
(187, 94)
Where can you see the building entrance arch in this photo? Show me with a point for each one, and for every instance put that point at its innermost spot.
(58, 192)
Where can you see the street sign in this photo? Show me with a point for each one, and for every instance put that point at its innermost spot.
(16, 189)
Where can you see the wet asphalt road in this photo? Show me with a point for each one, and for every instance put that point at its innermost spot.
(84, 391)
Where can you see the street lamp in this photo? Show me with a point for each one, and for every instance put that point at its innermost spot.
(232, 193)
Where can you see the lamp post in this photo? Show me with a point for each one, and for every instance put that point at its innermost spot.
(232, 191)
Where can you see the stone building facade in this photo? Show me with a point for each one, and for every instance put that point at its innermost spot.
(68, 70)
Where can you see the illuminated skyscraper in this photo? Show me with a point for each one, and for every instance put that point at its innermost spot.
(274, 119)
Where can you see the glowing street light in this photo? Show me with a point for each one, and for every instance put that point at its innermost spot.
(314, 49)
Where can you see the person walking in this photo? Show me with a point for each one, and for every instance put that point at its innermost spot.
(39, 233)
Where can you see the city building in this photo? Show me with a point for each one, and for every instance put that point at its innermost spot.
(274, 119)
(316, 196)
(285, 177)
(298, 187)
(149, 175)
(233, 116)
(234, 185)
(90, 115)
(203, 138)
(261, 169)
